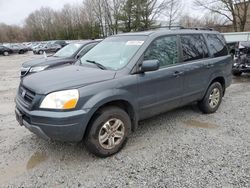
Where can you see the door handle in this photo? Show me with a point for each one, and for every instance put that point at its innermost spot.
(177, 73)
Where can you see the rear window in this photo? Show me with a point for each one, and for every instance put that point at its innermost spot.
(193, 47)
(217, 45)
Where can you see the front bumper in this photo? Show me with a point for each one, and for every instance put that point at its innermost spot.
(62, 126)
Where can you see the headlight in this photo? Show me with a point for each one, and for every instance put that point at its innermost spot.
(38, 69)
(61, 100)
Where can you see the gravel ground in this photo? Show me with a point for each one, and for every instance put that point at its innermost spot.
(181, 148)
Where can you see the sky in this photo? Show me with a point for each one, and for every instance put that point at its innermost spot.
(15, 11)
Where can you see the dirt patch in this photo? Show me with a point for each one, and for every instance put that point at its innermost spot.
(18, 169)
(36, 159)
(200, 124)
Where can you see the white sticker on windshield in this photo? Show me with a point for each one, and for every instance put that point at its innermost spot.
(135, 42)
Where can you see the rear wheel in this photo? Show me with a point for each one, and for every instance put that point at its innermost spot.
(212, 100)
(5, 53)
(108, 132)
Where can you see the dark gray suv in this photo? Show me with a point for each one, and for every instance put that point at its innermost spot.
(122, 80)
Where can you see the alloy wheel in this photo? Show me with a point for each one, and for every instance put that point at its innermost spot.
(111, 133)
(214, 98)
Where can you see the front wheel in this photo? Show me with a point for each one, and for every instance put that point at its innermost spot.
(108, 131)
(6, 53)
(212, 100)
(40, 52)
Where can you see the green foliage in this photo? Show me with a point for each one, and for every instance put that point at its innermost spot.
(136, 15)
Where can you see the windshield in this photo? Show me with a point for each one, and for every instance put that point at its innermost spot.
(68, 50)
(115, 52)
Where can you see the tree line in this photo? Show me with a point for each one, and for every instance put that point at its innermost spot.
(101, 18)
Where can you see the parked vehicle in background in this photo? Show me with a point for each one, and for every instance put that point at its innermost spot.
(60, 42)
(65, 56)
(241, 59)
(48, 48)
(122, 80)
(28, 45)
(5, 50)
(36, 45)
(232, 46)
(17, 48)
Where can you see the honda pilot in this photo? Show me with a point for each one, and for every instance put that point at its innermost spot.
(122, 80)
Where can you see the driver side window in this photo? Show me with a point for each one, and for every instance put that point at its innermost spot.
(164, 50)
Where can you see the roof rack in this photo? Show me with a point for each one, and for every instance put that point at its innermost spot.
(181, 27)
(167, 27)
(200, 28)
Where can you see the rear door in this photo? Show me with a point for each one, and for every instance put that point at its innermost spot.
(195, 57)
(221, 61)
(161, 90)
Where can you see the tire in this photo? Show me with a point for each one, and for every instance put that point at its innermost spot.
(5, 53)
(236, 73)
(21, 52)
(212, 99)
(40, 52)
(113, 139)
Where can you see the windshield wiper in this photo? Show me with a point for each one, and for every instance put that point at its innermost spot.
(97, 64)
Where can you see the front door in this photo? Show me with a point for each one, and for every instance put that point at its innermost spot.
(161, 90)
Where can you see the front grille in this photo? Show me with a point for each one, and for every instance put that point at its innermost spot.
(26, 95)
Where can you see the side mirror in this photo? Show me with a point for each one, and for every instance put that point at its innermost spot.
(149, 65)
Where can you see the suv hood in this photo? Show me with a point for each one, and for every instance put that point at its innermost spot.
(43, 61)
(65, 78)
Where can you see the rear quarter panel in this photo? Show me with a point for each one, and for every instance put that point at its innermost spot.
(222, 68)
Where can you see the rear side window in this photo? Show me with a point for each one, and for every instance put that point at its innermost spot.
(193, 47)
(217, 45)
(164, 50)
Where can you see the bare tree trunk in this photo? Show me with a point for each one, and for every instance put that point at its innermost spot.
(234, 11)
